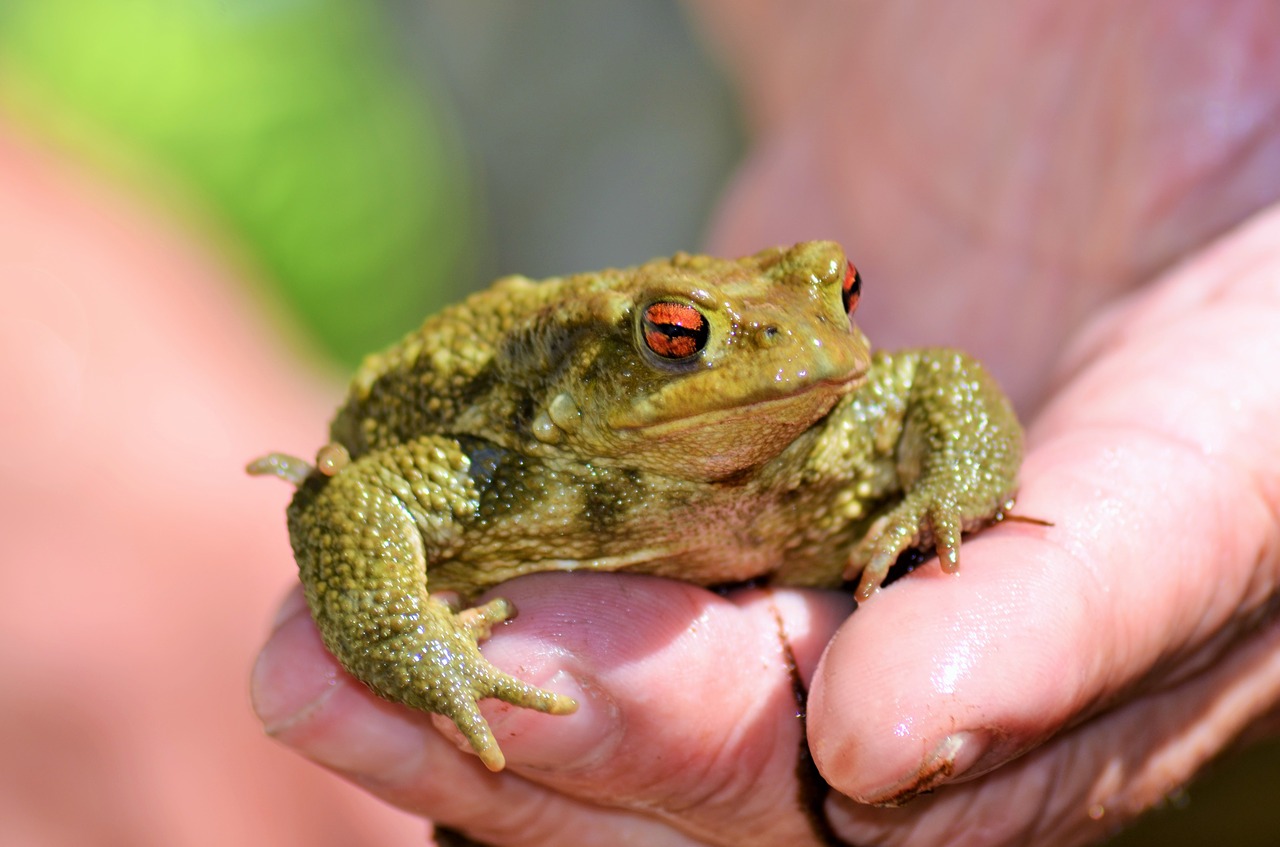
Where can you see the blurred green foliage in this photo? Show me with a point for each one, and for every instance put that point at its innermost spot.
(288, 121)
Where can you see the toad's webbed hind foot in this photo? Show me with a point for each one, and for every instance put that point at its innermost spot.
(450, 675)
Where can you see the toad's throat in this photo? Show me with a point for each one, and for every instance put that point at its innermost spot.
(806, 405)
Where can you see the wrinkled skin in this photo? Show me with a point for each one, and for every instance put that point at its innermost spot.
(1087, 196)
(585, 422)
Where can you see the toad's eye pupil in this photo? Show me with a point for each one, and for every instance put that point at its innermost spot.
(674, 330)
(852, 288)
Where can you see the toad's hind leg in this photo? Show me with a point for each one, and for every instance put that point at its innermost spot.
(364, 539)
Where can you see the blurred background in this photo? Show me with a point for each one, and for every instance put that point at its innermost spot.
(340, 169)
(373, 161)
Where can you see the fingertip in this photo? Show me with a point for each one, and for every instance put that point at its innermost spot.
(669, 679)
(290, 674)
(940, 678)
(628, 650)
(582, 724)
(307, 702)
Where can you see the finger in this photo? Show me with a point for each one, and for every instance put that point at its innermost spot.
(1087, 784)
(952, 676)
(703, 696)
(309, 703)
(1158, 471)
(688, 714)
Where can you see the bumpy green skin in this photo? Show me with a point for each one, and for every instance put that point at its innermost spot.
(530, 428)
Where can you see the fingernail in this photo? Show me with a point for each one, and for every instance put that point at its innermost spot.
(307, 702)
(289, 676)
(953, 758)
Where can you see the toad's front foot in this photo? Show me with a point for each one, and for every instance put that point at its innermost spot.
(912, 522)
(918, 520)
(438, 667)
(957, 455)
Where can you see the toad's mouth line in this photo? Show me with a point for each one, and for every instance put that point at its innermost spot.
(745, 407)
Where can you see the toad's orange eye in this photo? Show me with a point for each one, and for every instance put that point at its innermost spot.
(674, 330)
(852, 288)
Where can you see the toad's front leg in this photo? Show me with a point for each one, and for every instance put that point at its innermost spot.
(364, 538)
(957, 452)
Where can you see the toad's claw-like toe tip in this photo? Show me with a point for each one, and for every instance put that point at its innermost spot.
(873, 574)
(563, 705)
(492, 758)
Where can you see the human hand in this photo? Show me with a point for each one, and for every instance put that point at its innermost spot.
(1105, 658)
(1117, 650)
